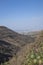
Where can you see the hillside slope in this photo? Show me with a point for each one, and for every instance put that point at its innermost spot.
(30, 54)
(16, 49)
(11, 43)
(14, 37)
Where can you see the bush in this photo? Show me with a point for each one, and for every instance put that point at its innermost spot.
(34, 58)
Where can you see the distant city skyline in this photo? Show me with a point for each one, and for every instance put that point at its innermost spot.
(21, 15)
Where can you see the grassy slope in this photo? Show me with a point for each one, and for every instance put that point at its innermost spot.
(31, 54)
(35, 54)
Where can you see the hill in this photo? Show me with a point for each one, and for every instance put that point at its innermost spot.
(11, 43)
(20, 49)
(30, 54)
(34, 54)
(14, 37)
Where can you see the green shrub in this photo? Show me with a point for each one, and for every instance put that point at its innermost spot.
(34, 58)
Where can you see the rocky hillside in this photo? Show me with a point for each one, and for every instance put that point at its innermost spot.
(14, 37)
(30, 54)
(11, 43)
(20, 49)
(34, 55)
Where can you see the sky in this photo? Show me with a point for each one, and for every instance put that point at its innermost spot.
(21, 15)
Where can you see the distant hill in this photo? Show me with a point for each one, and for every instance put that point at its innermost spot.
(11, 42)
(14, 37)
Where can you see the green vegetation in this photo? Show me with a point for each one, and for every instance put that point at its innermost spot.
(35, 57)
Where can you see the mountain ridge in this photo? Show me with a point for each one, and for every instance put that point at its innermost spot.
(14, 45)
(11, 42)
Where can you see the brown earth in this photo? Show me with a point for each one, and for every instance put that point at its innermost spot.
(14, 46)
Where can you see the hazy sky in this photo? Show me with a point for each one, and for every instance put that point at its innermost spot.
(22, 14)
